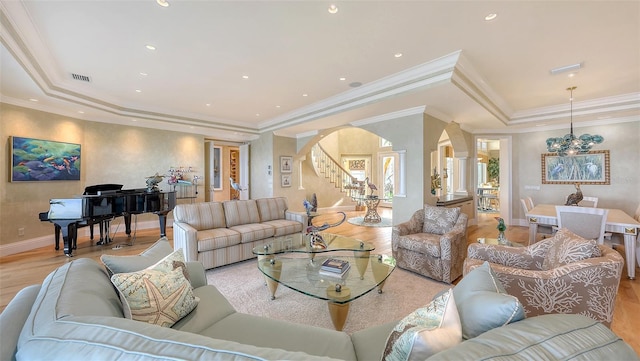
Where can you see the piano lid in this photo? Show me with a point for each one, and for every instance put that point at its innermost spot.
(65, 208)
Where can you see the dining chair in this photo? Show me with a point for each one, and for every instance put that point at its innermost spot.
(529, 201)
(586, 222)
(589, 202)
(527, 205)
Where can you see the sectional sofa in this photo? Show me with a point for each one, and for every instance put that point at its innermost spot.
(77, 314)
(220, 233)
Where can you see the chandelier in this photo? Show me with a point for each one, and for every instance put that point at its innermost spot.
(570, 144)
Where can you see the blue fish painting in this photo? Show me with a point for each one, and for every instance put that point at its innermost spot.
(44, 160)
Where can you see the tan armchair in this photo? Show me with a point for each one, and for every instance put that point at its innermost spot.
(556, 275)
(437, 255)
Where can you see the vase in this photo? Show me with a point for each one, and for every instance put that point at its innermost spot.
(502, 239)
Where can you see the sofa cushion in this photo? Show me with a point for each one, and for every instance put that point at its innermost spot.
(567, 247)
(370, 342)
(213, 307)
(277, 334)
(271, 208)
(202, 215)
(160, 294)
(423, 243)
(241, 212)
(426, 331)
(110, 338)
(78, 288)
(439, 220)
(483, 303)
(546, 337)
(284, 226)
(217, 238)
(13, 317)
(253, 231)
(149, 257)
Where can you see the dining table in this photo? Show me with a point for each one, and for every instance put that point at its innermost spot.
(617, 222)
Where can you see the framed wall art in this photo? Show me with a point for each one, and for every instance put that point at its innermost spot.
(587, 168)
(286, 164)
(286, 180)
(217, 168)
(36, 160)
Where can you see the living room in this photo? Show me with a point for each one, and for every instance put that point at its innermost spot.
(126, 144)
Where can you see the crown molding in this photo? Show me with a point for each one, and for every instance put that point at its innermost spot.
(469, 81)
(422, 76)
(594, 107)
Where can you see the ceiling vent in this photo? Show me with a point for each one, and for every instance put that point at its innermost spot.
(81, 77)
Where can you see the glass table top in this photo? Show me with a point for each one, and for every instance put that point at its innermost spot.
(303, 275)
(334, 243)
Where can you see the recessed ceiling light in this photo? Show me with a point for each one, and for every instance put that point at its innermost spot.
(397, 55)
(491, 16)
(342, 79)
(138, 91)
(257, 114)
(80, 111)
(332, 9)
(134, 120)
(277, 106)
(143, 73)
(305, 94)
(33, 100)
(150, 47)
(163, 3)
(208, 104)
(245, 77)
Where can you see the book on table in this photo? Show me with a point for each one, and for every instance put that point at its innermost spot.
(334, 267)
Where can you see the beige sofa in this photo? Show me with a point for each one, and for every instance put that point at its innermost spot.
(220, 233)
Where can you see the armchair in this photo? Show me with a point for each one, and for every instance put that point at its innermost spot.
(436, 249)
(561, 274)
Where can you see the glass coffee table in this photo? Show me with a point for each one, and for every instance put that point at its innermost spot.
(333, 243)
(302, 274)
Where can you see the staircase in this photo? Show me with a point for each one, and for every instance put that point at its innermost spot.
(327, 167)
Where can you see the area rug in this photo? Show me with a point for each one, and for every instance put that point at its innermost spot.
(243, 285)
(359, 221)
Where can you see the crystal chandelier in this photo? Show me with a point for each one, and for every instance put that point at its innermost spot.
(570, 144)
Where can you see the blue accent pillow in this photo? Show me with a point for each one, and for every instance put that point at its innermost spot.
(483, 303)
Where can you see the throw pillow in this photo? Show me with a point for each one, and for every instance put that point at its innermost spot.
(154, 296)
(121, 264)
(439, 220)
(426, 331)
(567, 247)
(160, 294)
(483, 303)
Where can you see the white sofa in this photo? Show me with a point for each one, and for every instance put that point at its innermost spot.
(220, 233)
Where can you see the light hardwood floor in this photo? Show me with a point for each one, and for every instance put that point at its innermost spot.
(20, 270)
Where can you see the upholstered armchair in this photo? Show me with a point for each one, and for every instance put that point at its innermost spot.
(561, 274)
(432, 243)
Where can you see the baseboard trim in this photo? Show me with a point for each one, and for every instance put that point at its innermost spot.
(117, 230)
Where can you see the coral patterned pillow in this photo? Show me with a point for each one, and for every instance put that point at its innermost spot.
(439, 220)
(567, 248)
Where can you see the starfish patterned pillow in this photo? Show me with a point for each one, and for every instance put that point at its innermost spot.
(156, 295)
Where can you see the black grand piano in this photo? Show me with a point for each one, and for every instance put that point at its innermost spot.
(99, 205)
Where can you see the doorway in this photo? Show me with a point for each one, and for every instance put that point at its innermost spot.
(493, 175)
